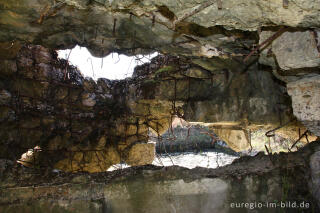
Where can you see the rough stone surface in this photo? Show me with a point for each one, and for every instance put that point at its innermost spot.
(181, 28)
(133, 27)
(305, 94)
(63, 112)
(8, 50)
(228, 95)
(141, 154)
(155, 189)
(237, 140)
(292, 50)
(88, 100)
(239, 14)
(206, 80)
(49, 23)
(85, 126)
(314, 185)
(76, 122)
(89, 161)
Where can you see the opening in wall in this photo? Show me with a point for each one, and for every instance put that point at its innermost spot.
(188, 145)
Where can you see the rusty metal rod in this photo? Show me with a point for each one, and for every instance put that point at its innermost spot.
(301, 136)
(266, 42)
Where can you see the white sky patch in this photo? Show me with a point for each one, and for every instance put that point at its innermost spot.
(113, 66)
(189, 160)
(192, 160)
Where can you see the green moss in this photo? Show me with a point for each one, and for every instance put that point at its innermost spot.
(164, 69)
(150, 81)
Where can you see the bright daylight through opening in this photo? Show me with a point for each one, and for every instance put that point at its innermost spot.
(114, 66)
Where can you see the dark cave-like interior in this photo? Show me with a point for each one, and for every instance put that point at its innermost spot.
(239, 78)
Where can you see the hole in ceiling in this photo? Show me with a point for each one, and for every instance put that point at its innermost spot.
(113, 67)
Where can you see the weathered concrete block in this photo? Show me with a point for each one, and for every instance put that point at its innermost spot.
(293, 50)
(236, 139)
(305, 94)
(141, 154)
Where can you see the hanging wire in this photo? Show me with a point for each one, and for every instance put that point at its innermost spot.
(91, 66)
(67, 63)
(118, 59)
